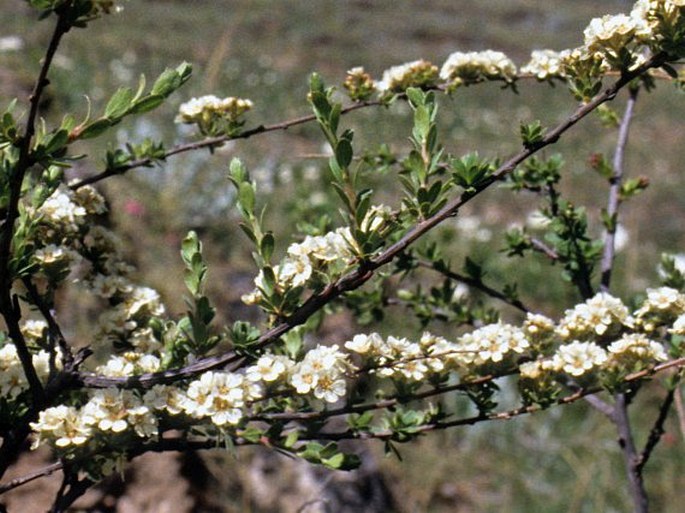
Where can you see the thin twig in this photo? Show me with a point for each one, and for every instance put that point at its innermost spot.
(503, 415)
(366, 270)
(543, 248)
(211, 143)
(630, 456)
(19, 481)
(475, 283)
(615, 192)
(656, 432)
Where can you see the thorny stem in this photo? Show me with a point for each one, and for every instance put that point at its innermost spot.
(615, 191)
(366, 270)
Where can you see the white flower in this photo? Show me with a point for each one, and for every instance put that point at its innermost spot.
(472, 67)
(545, 64)
(63, 425)
(417, 73)
(578, 358)
(364, 344)
(269, 368)
(638, 347)
(610, 32)
(321, 372)
(220, 396)
(601, 315)
(60, 210)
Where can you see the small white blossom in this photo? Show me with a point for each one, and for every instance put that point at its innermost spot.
(468, 68)
(578, 358)
(61, 425)
(545, 64)
(601, 315)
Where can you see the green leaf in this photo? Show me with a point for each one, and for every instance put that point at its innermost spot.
(96, 128)
(57, 141)
(343, 153)
(416, 96)
(267, 246)
(246, 196)
(146, 104)
(119, 104)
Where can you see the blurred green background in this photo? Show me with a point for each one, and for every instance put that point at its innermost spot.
(564, 460)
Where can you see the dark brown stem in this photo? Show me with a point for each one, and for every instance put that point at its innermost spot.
(70, 490)
(615, 191)
(658, 430)
(476, 284)
(9, 304)
(630, 456)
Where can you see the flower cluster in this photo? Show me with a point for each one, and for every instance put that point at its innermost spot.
(492, 345)
(661, 307)
(359, 84)
(220, 397)
(12, 377)
(321, 373)
(108, 412)
(398, 79)
(610, 33)
(472, 67)
(315, 256)
(600, 317)
(61, 213)
(545, 65)
(212, 114)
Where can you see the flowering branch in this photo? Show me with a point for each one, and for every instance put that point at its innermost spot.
(503, 415)
(211, 143)
(367, 268)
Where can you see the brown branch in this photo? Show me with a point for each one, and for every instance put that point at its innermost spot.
(503, 415)
(630, 456)
(19, 481)
(475, 283)
(656, 432)
(615, 192)
(9, 304)
(366, 269)
(184, 444)
(211, 143)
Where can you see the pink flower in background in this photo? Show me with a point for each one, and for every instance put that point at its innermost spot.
(134, 208)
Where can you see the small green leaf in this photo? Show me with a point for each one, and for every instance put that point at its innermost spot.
(146, 104)
(119, 104)
(96, 128)
(246, 196)
(343, 153)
